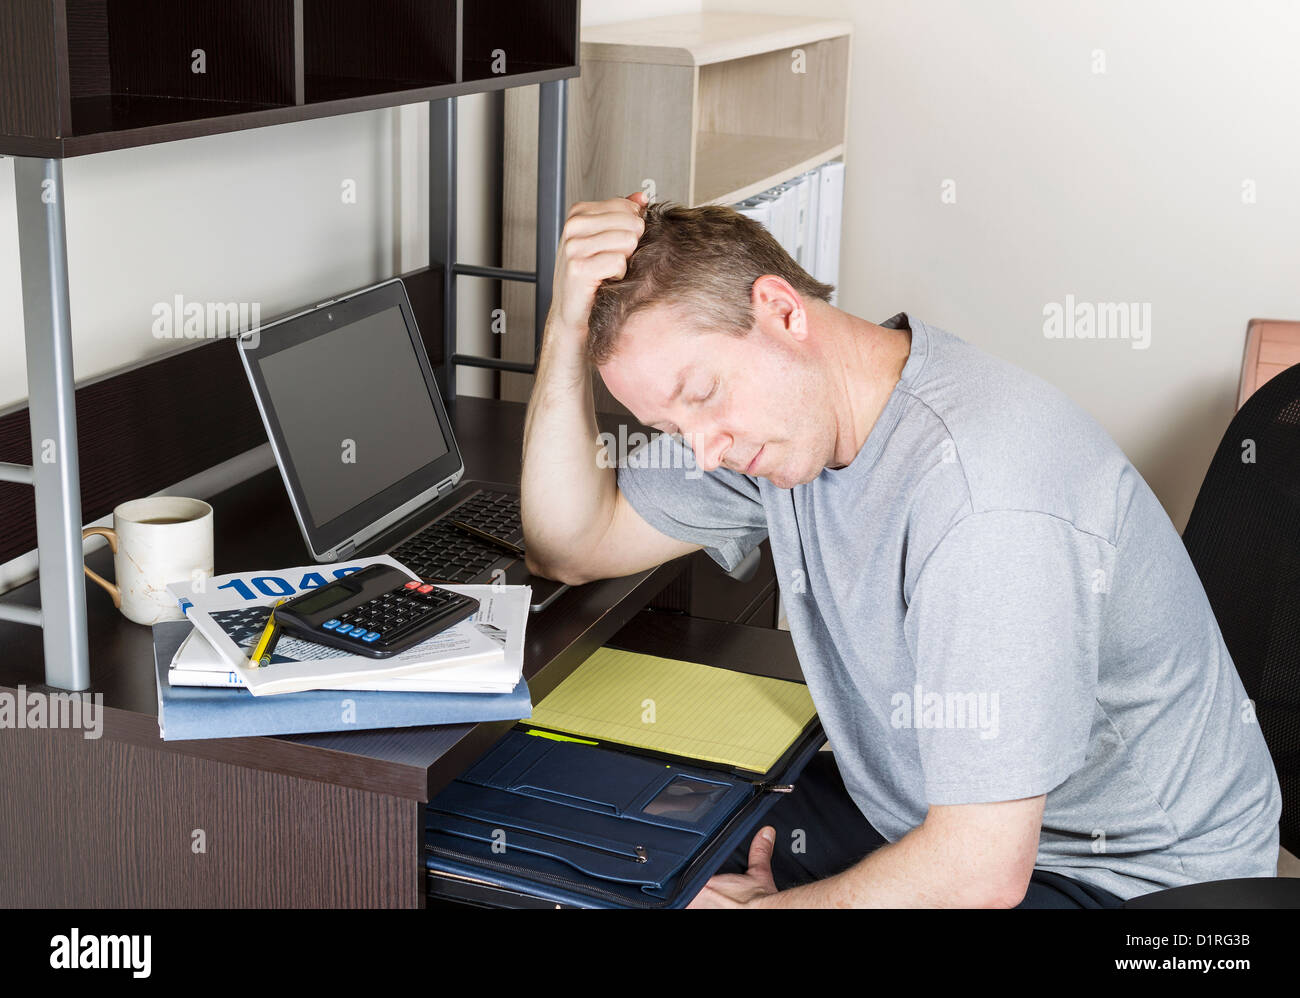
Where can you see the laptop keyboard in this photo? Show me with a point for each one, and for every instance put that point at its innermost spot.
(441, 552)
(493, 513)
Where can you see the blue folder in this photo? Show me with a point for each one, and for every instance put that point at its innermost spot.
(186, 712)
(536, 821)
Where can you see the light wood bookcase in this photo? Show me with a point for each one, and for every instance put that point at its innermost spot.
(710, 108)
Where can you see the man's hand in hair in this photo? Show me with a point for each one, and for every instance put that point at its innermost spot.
(598, 239)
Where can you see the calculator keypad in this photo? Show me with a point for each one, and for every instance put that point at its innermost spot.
(393, 613)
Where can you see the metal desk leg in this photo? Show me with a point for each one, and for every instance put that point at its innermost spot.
(43, 256)
(442, 227)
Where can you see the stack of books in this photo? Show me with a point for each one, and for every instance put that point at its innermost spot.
(214, 682)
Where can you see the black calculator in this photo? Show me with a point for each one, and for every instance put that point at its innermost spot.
(377, 611)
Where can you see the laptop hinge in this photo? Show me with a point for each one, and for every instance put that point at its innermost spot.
(345, 552)
(445, 487)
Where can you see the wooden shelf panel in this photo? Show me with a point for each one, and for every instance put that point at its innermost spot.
(500, 37)
(364, 47)
(87, 76)
(121, 112)
(705, 38)
(730, 168)
(131, 137)
(147, 48)
(29, 88)
(339, 88)
(779, 94)
(474, 70)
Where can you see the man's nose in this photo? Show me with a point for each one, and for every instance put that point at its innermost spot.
(710, 448)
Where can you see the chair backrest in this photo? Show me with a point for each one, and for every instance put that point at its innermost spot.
(1243, 536)
(1272, 345)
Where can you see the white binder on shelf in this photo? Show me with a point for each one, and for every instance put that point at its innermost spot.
(830, 208)
(805, 216)
(781, 200)
(789, 200)
(800, 196)
(758, 209)
(809, 191)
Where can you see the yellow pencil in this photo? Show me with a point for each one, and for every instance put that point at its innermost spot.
(261, 655)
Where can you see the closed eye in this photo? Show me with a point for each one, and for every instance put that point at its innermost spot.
(711, 392)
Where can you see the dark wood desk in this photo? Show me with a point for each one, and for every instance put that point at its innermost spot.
(328, 819)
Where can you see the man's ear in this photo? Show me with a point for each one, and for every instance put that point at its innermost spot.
(773, 297)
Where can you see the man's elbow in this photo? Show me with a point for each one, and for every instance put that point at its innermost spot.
(1010, 896)
(996, 892)
(567, 574)
(985, 882)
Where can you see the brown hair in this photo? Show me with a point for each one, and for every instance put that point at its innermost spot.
(702, 260)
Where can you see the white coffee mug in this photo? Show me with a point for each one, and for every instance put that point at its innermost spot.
(155, 541)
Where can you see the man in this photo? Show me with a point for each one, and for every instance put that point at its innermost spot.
(1024, 687)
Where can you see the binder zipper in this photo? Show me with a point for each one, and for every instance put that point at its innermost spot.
(637, 855)
(533, 875)
(588, 889)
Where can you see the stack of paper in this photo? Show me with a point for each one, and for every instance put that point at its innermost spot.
(483, 653)
(188, 712)
(472, 671)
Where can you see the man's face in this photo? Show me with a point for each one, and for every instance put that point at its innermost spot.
(756, 404)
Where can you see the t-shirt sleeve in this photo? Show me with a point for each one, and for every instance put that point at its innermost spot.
(1004, 626)
(720, 509)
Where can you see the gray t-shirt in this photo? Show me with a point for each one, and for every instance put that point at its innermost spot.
(988, 604)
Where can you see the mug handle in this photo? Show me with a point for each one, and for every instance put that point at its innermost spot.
(111, 534)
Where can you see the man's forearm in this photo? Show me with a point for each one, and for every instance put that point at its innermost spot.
(566, 495)
(921, 870)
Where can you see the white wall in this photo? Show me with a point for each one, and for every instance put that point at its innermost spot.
(1122, 186)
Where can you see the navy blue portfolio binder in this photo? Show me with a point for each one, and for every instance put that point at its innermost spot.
(539, 822)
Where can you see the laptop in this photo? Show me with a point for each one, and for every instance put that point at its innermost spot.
(366, 449)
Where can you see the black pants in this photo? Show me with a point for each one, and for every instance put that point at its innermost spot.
(820, 816)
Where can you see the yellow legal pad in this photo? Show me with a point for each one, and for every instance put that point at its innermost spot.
(680, 708)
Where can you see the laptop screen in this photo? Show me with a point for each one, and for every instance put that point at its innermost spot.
(379, 424)
(348, 398)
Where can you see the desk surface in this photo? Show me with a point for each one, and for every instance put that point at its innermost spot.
(406, 762)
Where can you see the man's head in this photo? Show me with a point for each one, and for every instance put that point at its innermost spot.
(708, 334)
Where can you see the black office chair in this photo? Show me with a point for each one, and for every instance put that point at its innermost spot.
(1244, 538)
